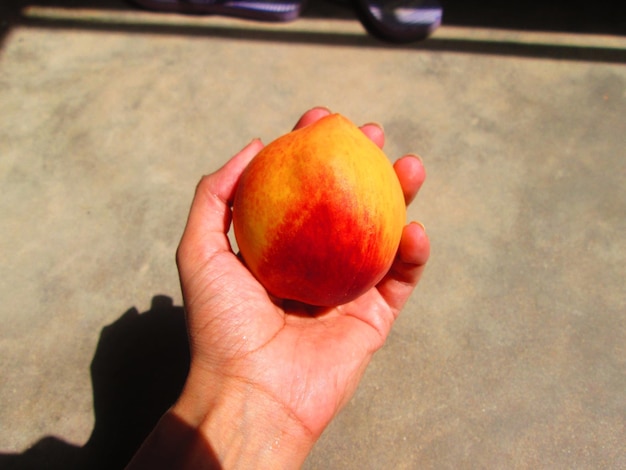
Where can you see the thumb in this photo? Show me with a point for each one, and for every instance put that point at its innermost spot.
(209, 217)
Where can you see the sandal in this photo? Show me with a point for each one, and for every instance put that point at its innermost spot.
(265, 10)
(400, 21)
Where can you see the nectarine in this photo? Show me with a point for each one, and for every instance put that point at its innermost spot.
(318, 214)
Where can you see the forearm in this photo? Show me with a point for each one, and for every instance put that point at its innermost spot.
(174, 444)
(231, 428)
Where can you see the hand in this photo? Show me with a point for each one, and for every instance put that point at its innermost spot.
(266, 377)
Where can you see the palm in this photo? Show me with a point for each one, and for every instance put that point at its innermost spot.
(308, 362)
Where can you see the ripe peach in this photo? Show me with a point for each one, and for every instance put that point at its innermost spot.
(318, 214)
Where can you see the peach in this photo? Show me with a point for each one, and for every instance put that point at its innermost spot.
(318, 214)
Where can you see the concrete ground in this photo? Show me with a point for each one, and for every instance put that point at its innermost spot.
(512, 351)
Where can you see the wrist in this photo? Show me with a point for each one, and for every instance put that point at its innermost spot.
(239, 426)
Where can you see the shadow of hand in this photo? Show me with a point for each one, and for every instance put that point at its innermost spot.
(137, 373)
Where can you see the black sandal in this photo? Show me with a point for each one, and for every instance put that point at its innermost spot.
(400, 21)
(265, 10)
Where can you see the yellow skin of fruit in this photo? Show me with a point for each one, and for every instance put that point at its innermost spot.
(318, 214)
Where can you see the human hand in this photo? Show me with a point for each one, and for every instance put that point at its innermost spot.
(267, 376)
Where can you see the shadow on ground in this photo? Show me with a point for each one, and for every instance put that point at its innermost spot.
(137, 372)
(573, 16)
(576, 16)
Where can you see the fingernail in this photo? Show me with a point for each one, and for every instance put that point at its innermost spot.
(376, 124)
(414, 155)
(253, 142)
(325, 108)
(420, 224)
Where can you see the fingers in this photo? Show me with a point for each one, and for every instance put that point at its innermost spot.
(379, 310)
(223, 182)
(372, 130)
(411, 175)
(311, 116)
(375, 132)
(407, 268)
(209, 216)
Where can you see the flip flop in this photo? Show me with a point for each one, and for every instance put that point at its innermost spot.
(265, 10)
(400, 21)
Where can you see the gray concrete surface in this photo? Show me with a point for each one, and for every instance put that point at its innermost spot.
(510, 354)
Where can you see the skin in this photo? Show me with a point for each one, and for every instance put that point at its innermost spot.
(265, 380)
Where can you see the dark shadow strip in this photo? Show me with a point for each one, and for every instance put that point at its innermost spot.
(434, 44)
